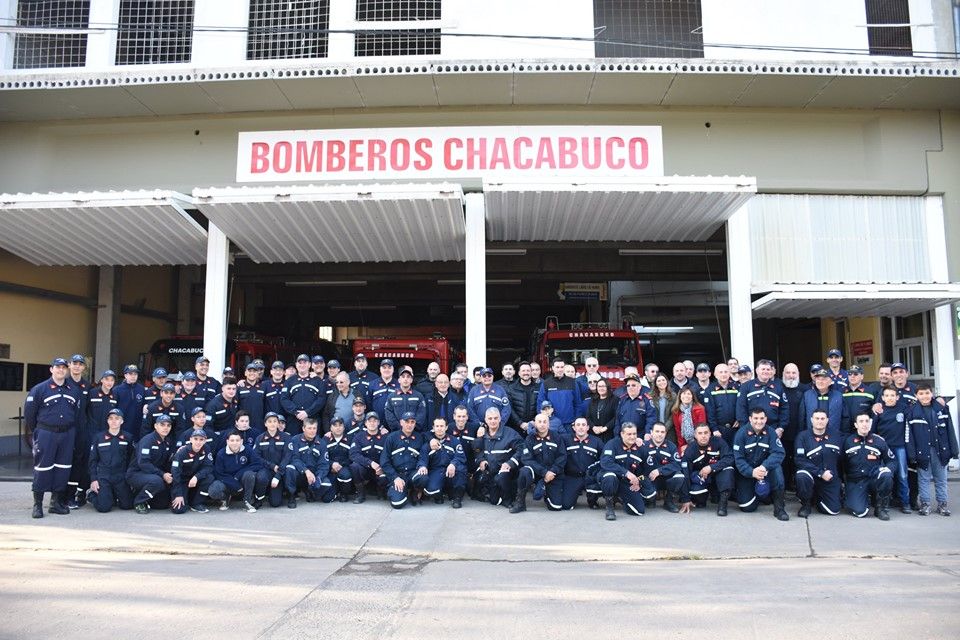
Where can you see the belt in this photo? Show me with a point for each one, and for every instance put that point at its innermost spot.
(54, 428)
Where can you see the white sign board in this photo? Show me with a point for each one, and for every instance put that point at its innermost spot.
(449, 153)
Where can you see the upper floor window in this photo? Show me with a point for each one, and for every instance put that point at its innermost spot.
(648, 29)
(889, 40)
(60, 47)
(398, 42)
(154, 31)
(288, 29)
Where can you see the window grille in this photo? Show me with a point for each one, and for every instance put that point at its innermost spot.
(155, 31)
(648, 29)
(288, 29)
(38, 50)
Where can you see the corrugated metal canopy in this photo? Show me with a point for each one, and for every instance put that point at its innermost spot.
(634, 210)
(355, 223)
(854, 301)
(101, 228)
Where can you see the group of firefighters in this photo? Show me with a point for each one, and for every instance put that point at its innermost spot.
(313, 429)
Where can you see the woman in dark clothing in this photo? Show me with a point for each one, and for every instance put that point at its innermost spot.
(602, 414)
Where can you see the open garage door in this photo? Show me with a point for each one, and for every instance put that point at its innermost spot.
(102, 228)
(358, 223)
(813, 301)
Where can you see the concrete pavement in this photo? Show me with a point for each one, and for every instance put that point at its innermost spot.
(366, 571)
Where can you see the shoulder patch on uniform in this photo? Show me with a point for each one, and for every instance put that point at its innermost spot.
(145, 452)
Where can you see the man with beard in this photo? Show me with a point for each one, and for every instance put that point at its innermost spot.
(794, 390)
(523, 400)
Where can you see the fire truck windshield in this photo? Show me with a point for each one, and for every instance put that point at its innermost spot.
(608, 351)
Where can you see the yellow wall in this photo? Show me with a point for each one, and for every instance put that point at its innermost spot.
(858, 330)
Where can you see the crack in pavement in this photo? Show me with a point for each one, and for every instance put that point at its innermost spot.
(813, 553)
(949, 572)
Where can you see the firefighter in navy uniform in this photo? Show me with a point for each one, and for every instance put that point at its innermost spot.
(51, 412)
(758, 455)
(542, 460)
(496, 452)
(366, 449)
(192, 471)
(190, 396)
(583, 462)
(130, 394)
(405, 399)
(856, 399)
(308, 467)
(767, 393)
(302, 397)
(206, 385)
(404, 464)
(381, 389)
(446, 465)
(149, 474)
(165, 405)
(358, 418)
(708, 463)
(818, 466)
(661, 466)
(110, 456)
(236, 470)
(221, 410)
(99, 401)
(621, 473)
(272, 448)
(722, 408)
(273, 389)
(839, 377)
(869, 467)
(823, 395)
(338, 450)
(461, 428)
(250, 396)
(360, 378)
(152, 394)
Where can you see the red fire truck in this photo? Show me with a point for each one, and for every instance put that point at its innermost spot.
(614, 347)
(416, 352)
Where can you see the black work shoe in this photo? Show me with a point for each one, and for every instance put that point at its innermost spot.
(804, 511)
(611, 514)
(141, 508)
(519, 505)
(37, 510)
(592, 502)
(292, 503)
(456, 503)
(361, 497)
(56, 507)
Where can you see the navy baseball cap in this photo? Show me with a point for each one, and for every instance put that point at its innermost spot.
(359, 400)
(816, 366)
(408, 415)
(197, 410)
(198, 433)
(162, 418)
(168, 386)
(159, 372)
(303, 357)
(898, 365)
(546, 404)
(277, 364)
(77, 358)
(337, 420)
(744, 368)
(819, 373)
(333, 364)
(271, 414)
(109, 373)
(761, 489)
(855, 369)
(359, 356)
(834, 352)
(115, 412)
(406, 371)
(227, 370)
(131, 368)
(283, 418)
(703, 366)
(189, 375)
(252, 365)
(386, 362)
(317, 359)
(202, 359)
(371, 414)
(486, 371)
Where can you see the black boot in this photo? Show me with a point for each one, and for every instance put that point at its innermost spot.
(520, 503)
(779, 510)
(722, 503)
(611, 514)
(881, 510)
(38, 504)
(361, 494)
(56, 506)
(592, 501)
(805, 508)
(457, 501)
(670, 502)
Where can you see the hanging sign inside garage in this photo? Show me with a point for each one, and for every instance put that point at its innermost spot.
(449, 153)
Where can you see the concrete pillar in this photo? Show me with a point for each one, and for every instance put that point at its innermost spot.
(215, 299)
(8, 15)
(107, 348)
(102, 46)
(476, 280)
(739, 274)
